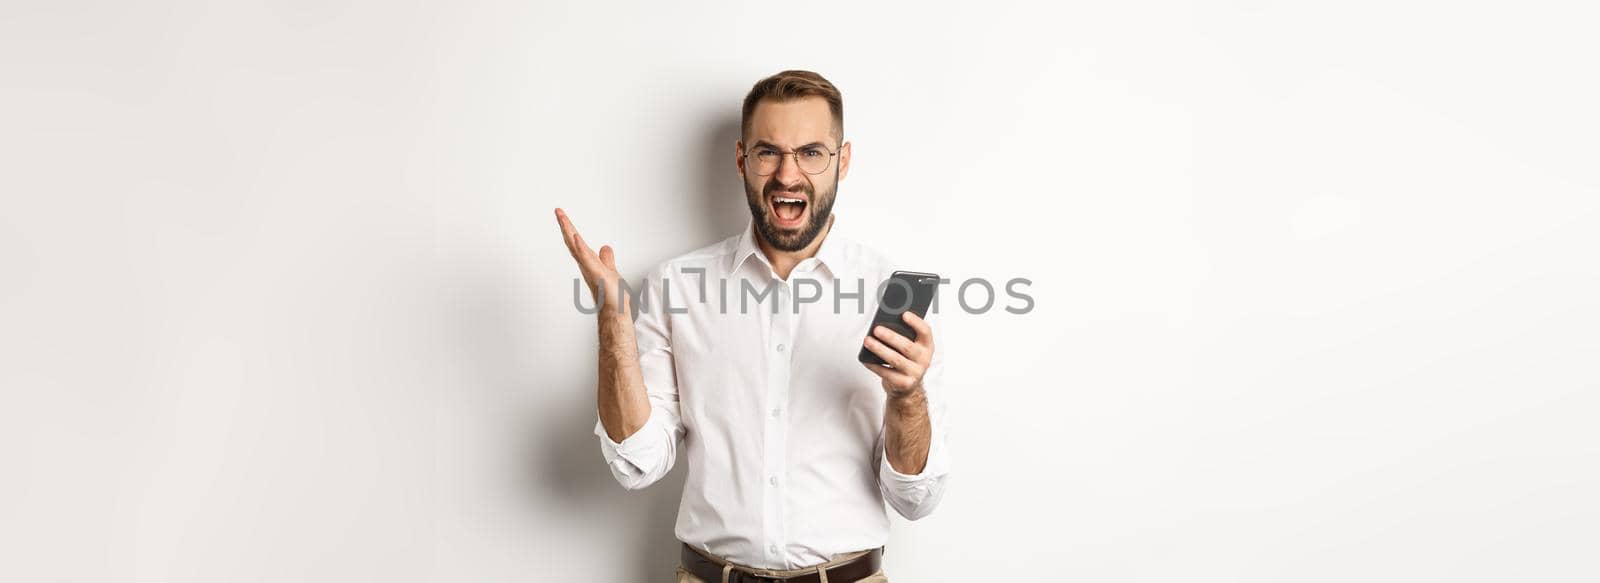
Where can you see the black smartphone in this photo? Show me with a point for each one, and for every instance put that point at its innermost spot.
(905, 290)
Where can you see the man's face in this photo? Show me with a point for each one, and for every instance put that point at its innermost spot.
(792, 126)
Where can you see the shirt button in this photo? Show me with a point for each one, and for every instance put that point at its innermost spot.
(772, 549)
(775, 413)
(773, 480)
(780, 348)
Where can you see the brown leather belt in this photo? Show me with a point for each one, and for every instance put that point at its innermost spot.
(847, 572)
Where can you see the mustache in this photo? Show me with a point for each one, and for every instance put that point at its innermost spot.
(773, 188)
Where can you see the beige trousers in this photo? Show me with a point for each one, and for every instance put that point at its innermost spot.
(879, 577)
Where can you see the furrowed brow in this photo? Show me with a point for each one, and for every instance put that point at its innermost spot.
(766, 144)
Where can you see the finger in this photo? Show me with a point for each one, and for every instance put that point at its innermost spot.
(575, 245)
(567, 230)
(583, 248)
(588, 261)
(897, 341)
(891, 356)
(608, 257)
(924, 332)
(580, 250)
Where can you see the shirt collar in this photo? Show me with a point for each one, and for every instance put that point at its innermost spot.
(830, 254)
(745, 247)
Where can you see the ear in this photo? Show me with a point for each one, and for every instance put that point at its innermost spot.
(738, 156)
(844, 160)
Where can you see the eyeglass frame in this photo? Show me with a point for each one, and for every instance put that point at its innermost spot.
(832, 154)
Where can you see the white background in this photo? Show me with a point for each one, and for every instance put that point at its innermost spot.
(282, 298)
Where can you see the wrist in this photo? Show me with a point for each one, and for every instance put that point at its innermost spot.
(612, 313)
(913, 398)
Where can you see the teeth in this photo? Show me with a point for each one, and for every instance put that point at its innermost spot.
(783, 199)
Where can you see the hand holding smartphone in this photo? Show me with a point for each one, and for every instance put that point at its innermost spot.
(905, 290)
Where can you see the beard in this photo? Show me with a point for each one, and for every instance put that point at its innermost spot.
(819, 205)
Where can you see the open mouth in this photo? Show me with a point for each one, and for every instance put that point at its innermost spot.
(788, 210)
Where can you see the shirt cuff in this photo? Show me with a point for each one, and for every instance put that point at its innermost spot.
(635, 452)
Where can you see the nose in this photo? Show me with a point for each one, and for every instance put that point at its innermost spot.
(788, 172)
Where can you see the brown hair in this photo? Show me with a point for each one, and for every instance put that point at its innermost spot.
(789, 85)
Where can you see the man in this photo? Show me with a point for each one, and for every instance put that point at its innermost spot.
(743, 360)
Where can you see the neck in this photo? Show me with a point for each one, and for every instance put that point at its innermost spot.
(783, 262)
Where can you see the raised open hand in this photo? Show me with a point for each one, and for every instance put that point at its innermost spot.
(599, 269)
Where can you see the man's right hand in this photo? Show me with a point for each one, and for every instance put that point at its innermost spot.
(623, 404)
(599, 269)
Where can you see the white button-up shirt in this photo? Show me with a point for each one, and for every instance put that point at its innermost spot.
(781, 426)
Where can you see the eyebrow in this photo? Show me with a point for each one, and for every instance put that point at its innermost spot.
(764, 143)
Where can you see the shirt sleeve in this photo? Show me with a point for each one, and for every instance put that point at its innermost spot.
(643, 458)
(915, 496)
